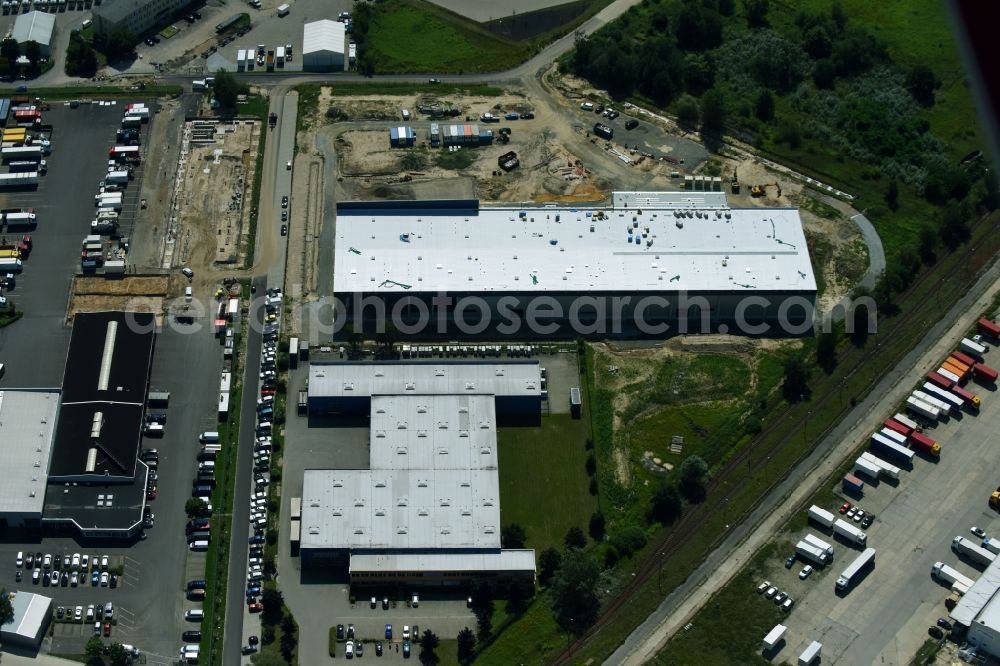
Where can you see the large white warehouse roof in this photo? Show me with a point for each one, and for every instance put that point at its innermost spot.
(543, 250)
(433, 378)
(34, 27)
(27, 430)
(324, 35)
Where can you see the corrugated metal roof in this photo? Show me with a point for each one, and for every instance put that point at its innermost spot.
(981, 600)
(34, 27)
(27, 430)
(324, 35)
(502, 560)
(425, 378)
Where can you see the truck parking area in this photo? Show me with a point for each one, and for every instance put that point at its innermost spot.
(887, 608)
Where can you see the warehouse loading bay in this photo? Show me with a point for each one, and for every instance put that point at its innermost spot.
(886, 614)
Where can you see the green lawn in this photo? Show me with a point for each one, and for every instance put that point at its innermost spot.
(543, 479)
(408, 36)
(699, 424)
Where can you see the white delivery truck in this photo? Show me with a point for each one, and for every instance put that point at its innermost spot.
(821, 516)
(850, 574)
(851, 532)
(774, 637)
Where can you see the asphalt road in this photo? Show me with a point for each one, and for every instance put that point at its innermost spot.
(238, 551)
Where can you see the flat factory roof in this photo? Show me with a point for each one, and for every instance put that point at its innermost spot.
(323, 35)
(501, 560)
(27, 431)
(34, 27)
(570, 250)
(433, 481)
(670, 200)
(350, 379)
(982, 600)
(31, 611)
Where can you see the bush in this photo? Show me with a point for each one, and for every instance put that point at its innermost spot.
(629, 540)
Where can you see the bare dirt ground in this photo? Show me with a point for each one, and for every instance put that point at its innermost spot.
(211, 205)
(304, 228)
(139, 293)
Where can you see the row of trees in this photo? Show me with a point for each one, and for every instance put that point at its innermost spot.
(10, 51)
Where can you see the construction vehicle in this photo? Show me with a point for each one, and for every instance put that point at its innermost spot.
(734, 184)
(761, 190)
(995, 499)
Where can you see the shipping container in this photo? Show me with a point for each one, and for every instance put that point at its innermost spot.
(925, 444)
(810, 654)
(984, 373)
(963, 357)
(907, 421)
(892, 424)
(814, 540)
(971, 399)
(972, 348)
(852, 484)
(940, 381)
(921, 408)
(774, 637)
(866, 468)
(955, 403)
(886, 468)
(889, 448)
(990, 328)
(951, 376)
(821, 516)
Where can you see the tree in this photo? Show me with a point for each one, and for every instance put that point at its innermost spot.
(765, 106)
(120, 44)
(816, 42)
(826, 350)
(591, 465)
(713, 111)
(927, 243)
(753, 425)
(288, 625)
(227, 89)
(839, 16)
(756, 13)
(790, 133)
(94, 648)
(9, 51)
(482, 607)
(268, 658)
(667, 504)
(921, 82)
(795, 387)
(688, 111)
(33, 52)
(512, 535)
(518, 595)
(466, 646)
(892, 195)
(953, 218)
(597, 526)
(574, 597)
(118, 655)
(195, 508)
(692, 478)
(80, 57)
(575, 538)
(824, 73)
(428, 644)
(288, 644)
(698, 28)
(273, 601)
(629, 540)
(548, 562)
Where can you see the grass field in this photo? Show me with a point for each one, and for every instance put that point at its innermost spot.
(407, 36)
(697, 377)
(543, 479)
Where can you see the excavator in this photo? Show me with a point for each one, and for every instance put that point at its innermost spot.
(995, 499)
(761, 190)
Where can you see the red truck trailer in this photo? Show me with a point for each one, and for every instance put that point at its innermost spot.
(896, 426)
(925, 444)
(984, 373)
(990, 328)
(963, 358)
(971, 399)
(939, 380)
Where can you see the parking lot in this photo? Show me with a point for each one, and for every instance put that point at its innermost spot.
(887, 614)
(34, 349)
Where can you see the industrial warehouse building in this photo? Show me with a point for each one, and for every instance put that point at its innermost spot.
(979, 610)
(97, 484)
(324, 44)
(27, 430)
(651, 264)
(427, 511)
(136, 16)
(32, 616)
(35, 27)
(347, 388)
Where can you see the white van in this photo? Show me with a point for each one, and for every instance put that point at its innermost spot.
(188, 294)
(194, 615)
(209, 436)
(198, 546)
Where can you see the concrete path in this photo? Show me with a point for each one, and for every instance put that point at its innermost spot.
(743, 543)
(876, 253)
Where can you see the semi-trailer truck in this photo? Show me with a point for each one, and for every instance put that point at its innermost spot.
(18, 220)
(992, 545)
(774, 637)
(852, 484)
(943, 407)
(887, 447)
(940, 380)
(103, 226)
(899, 438)
(850, 532)
(925, 444)
(888, 469)
(988, 327)
(16, 153)
(921, 408)
(10, 265)
(954, 403)
(819, 543)
(821, 516)
(972, 348)
(962, 357)
(810, 654)
(19, 179)
(866, 468)
(906, 421)
(984, 373)
(948, 373)
(809, 552)
(971, 399)
(851, 573)
(892, 424)
(118, 177)
(972, 550)
(952, 364)
(942, 571)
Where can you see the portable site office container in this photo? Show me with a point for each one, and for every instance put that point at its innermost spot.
(158, 398)
(241, 57)
(293, 353)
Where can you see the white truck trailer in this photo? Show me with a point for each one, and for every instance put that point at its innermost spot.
(850, 574)
(942, 571)
(972, 347)
(867, 468)
(810, 654)
(897, 437)
(972, 550)
(19, 179)
(907, 421)
(774, 637)
(992, 544)
(120, 177)
(10, 265)
(921, 408)
(821, 516)
(954, 402)
(819, 543)
(849, 531)
(888, 469)
(812, 553)
(944, 407)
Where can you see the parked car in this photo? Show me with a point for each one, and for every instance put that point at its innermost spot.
(806, 570)
(790, 561)
(760, 590)
(978, 532)
(944, 624)
(845, 507)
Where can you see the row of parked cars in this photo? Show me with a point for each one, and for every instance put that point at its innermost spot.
(68, 571)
